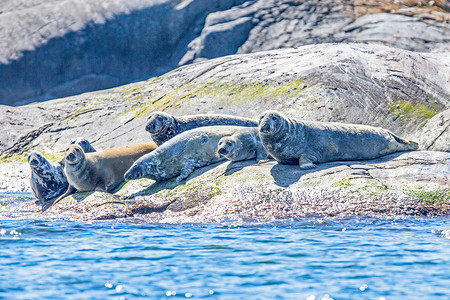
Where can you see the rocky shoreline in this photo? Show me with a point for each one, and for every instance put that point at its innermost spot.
(399, 185)
(405, 92)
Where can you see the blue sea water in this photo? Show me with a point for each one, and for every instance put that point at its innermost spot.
(309, 258)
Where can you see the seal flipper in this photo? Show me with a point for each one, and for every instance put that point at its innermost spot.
(71, 190)
(188, 168)
(262, 154)
(305, 163)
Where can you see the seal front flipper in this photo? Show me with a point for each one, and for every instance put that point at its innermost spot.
(71, 190)
(305, 163)
(186, 171)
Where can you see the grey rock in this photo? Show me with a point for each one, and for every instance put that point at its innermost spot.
(435, 135)
(281, 24)
(51, 49)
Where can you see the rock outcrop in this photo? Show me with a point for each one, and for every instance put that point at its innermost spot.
(52, 49)
(353, 83)
(403, 91)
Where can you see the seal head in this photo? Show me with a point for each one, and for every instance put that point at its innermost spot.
(159, 122)
(271, 123)
(226, 147)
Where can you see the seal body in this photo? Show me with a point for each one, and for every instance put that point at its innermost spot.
(163, 126)
(180, 156)
(290, 141)
(103, 170)
(243, 145)
(48, 180)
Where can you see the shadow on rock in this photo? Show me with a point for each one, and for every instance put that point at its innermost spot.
(77, 196)
(172, 183)
(285, 175)
(236, 166)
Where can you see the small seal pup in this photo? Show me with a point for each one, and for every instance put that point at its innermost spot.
(163, 126)
(100, 171)
(306, 142)
(48, 180)
(181, 155)
(243, 145)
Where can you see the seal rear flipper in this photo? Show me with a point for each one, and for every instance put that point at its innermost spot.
(187, 169)
(305, 163)
(71, 190)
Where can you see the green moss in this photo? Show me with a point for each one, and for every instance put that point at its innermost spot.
(138, 110)
(23, 158)
(14, 158)
(406, 111)
(125, 95)
(241, 93)
(434, 196)
(233, 93)
(342, 183)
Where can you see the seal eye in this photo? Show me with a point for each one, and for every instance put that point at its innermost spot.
(229, 144)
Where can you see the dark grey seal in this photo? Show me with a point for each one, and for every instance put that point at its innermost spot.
(48, 180)
(306, 143)
(243, 145)
(180, 156)
(163, 126)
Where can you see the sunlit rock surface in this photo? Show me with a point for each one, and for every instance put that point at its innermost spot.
(403, 184)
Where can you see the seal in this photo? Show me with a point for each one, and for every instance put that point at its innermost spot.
(243, 145)
(163, 126)
(181, 155)
(48, 180)
(100, 171)
(307, 143)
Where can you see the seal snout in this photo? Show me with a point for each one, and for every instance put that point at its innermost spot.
(222, 151)
(133, 173)
(265, 127)
(70, 157)
(150, 127)
(33, 161)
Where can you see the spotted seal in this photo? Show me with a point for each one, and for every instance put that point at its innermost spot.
(243, 145)
(306, 142)
(163, 126)
(48, 180)
(181, 155)
(100, 171)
